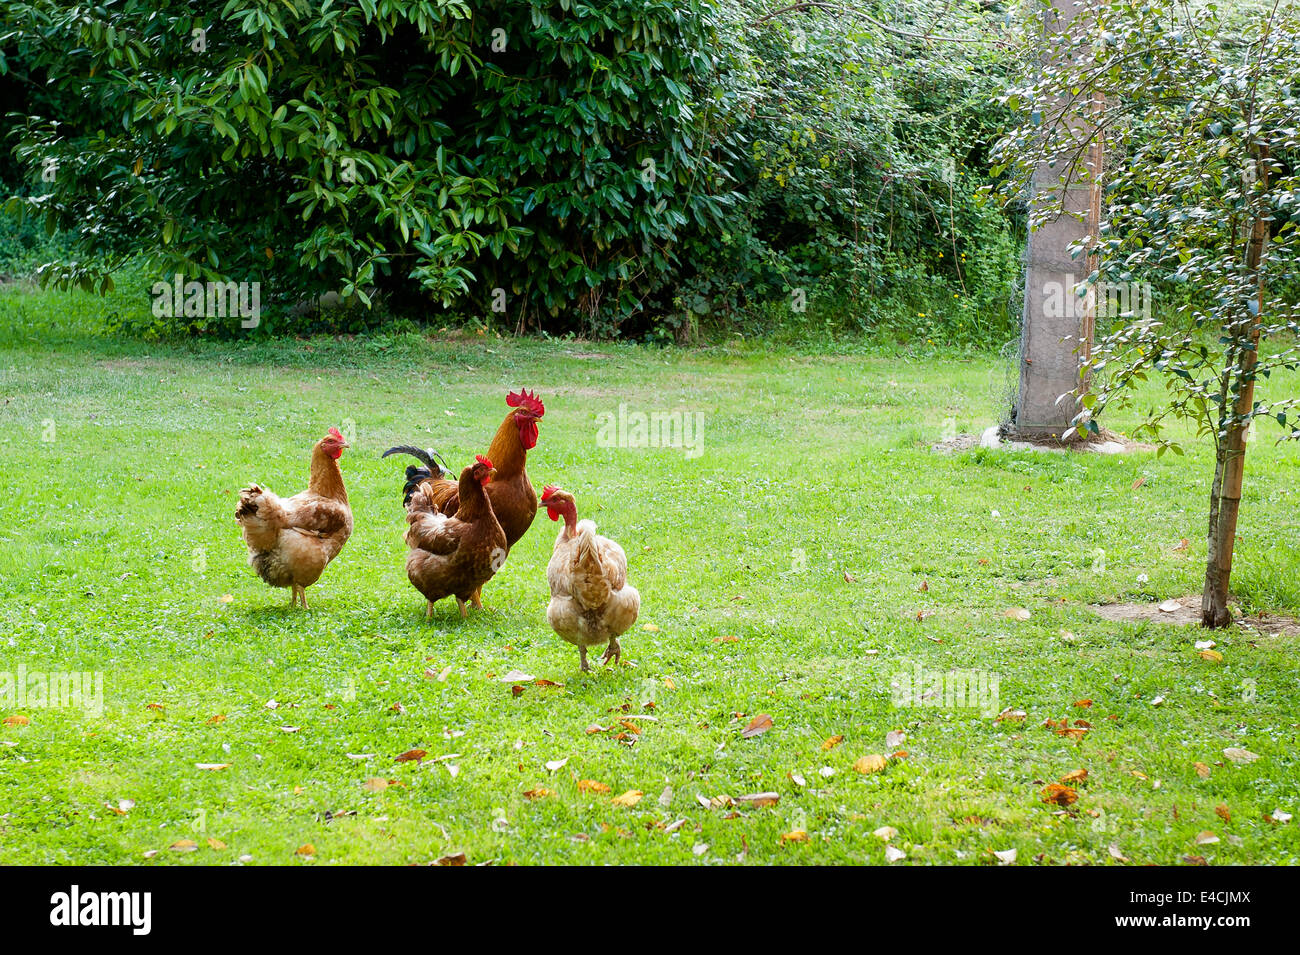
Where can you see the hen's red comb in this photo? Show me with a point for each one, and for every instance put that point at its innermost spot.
(335, 434)
(526, 399)
(483, 461)
(548, 491)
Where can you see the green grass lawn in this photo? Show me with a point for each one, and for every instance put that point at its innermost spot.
(815, 553)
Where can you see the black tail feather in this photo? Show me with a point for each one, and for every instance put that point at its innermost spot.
(416, 476)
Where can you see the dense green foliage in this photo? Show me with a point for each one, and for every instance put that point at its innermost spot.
(565, 166)
(861, 150)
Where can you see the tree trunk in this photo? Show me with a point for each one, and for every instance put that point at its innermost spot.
(1055, 343)
(1230, 454)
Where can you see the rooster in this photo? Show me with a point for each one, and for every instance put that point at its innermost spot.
(591, 600)
(291, 540)
(455, 556)
(513, 499)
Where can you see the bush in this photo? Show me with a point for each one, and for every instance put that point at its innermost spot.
(637, 167)
(412, 149)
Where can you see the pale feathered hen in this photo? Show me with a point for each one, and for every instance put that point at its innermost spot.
(292, 540)
(591, 601)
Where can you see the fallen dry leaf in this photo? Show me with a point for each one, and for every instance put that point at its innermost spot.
(1083, 703)
(411, 755)
(16, 720)
(894, 855)
(212, 767)
(1223, 812)
(1115, 853)
(628, 799)
(457, 858)
(1017, 613)
(1005, 856)
(591, 786)
(798, 835)
(375, 784)
(650, 628)
(1206, 838)
(760, 800)
(885, 833)
(1012, 716)
(184, 845)
(1202, 770)
(895, 739)
(216, 844)
(541, 792)
(1212, 655)
(1170, 606)
(555, 764)
(872, 763)
(832, 742)
(1074, 776)
(1059, 795)
(759, 725)
(1240, 756)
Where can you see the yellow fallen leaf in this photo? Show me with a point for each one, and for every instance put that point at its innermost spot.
(541, 792)
(216, 844)
(16, 721)
(590, 785)
(307, 850)
(375, 784)
(1213, 655)
(873, 763)
(798, 835)
(1202, 770)
(650, 628)
(832, 742)
(628, 799)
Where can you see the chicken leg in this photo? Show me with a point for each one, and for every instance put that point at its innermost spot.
(582, 651)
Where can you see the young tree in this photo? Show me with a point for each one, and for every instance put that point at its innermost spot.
(1201, 204)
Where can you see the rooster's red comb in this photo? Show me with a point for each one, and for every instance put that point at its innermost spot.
(335, 434)
(548, 491)
(526, 399)
(483, 461)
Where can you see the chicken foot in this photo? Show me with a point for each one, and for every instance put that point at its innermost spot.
(613, 652)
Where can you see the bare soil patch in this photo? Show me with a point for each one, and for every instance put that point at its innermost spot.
(1106, 442)
(1188, 613)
